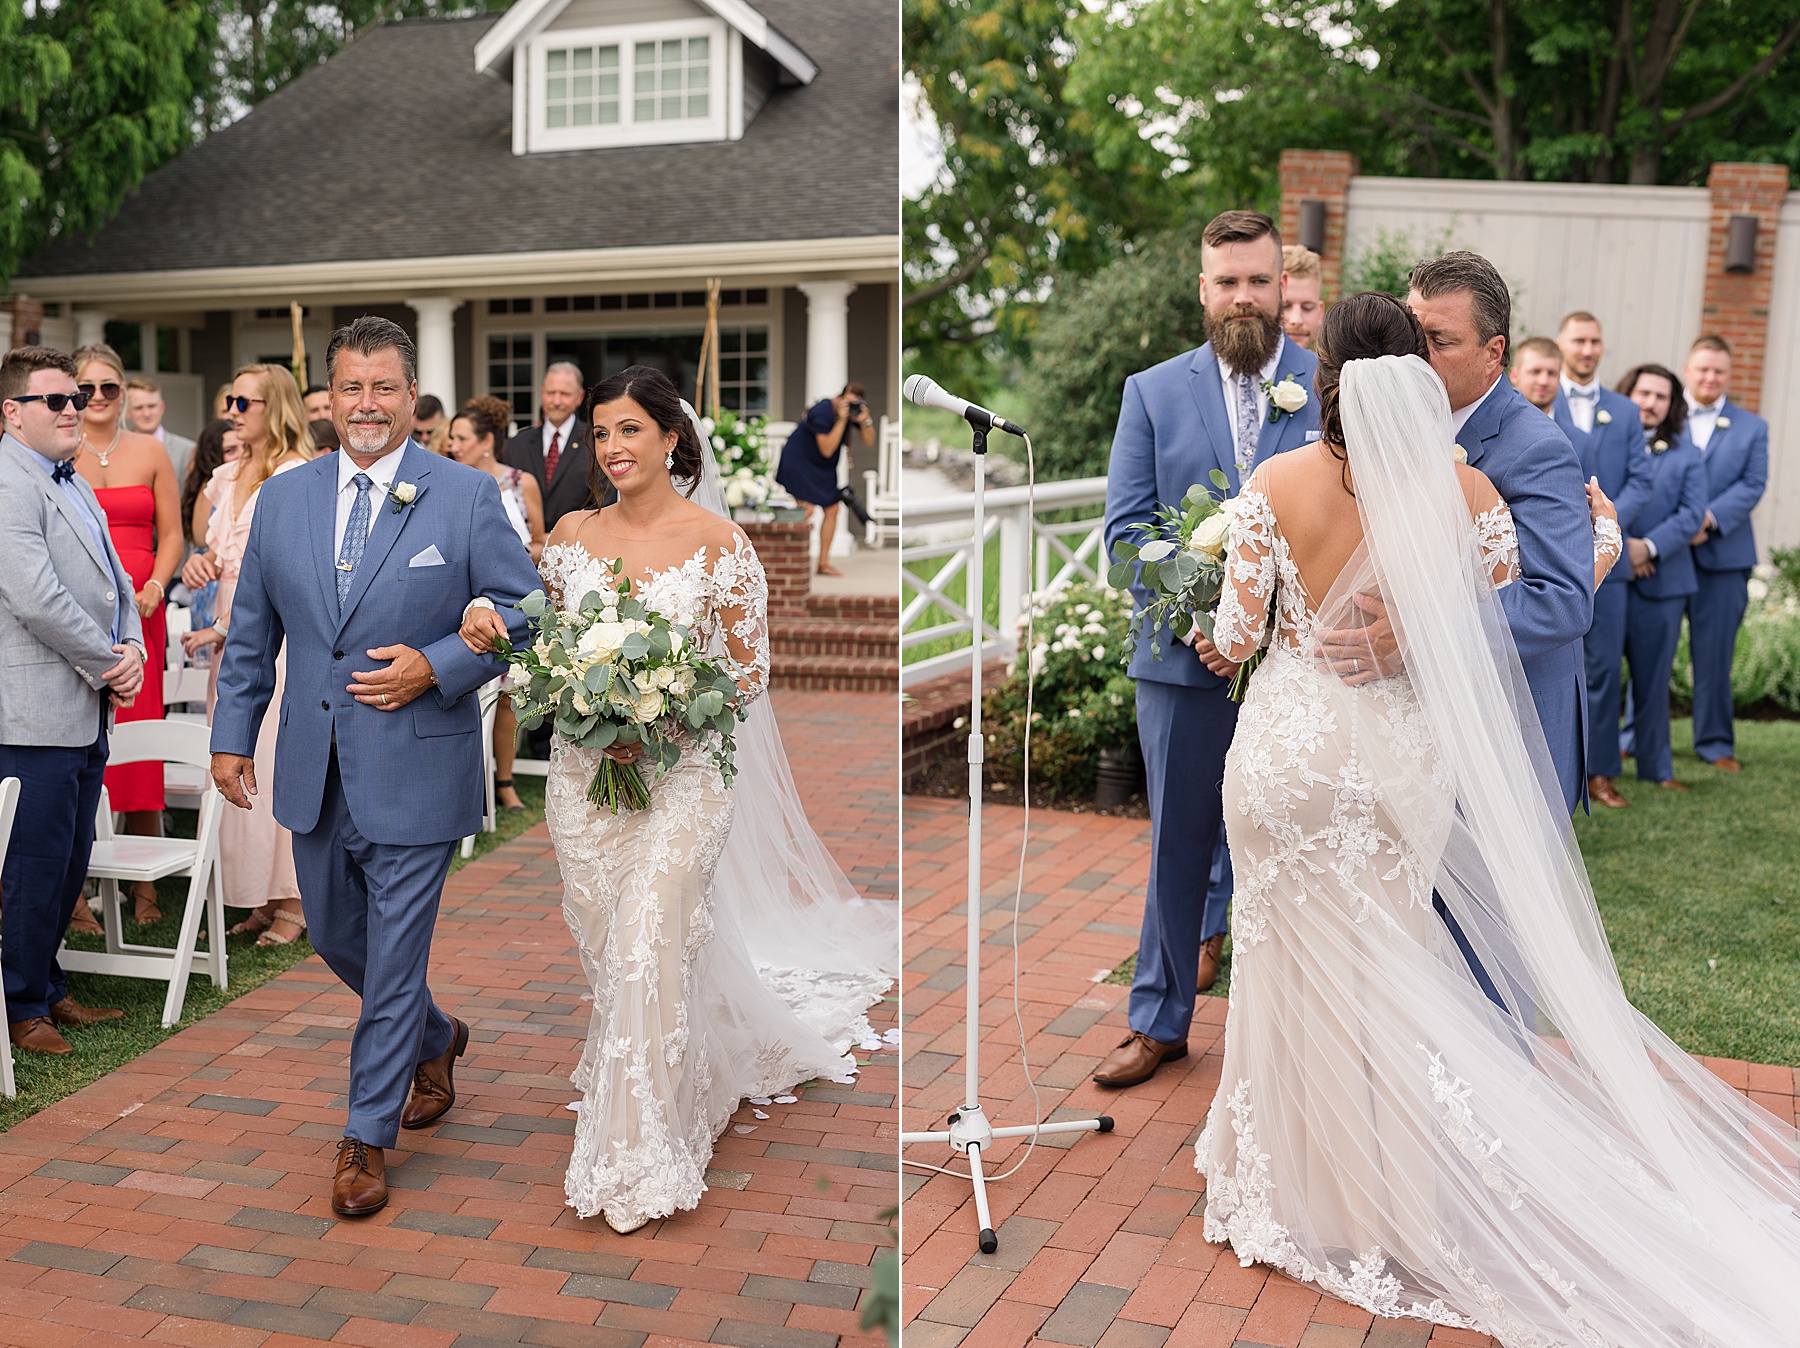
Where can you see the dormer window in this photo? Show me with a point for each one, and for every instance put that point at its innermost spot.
(639, 85)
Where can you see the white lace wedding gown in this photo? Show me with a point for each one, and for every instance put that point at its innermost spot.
(683, 1027)
(1554, 1173)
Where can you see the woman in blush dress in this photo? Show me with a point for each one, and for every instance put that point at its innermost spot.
(134, 480)
(256, 854)
(476, 436)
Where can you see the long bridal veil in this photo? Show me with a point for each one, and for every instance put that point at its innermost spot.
(1583, 1180)
(778, 893)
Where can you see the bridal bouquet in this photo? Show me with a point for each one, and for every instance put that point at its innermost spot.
(1179, 556)
(614, 671)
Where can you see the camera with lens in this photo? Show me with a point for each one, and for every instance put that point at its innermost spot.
(857, 409)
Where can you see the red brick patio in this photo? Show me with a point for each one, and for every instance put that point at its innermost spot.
(1100, 1235)
(183, 1198)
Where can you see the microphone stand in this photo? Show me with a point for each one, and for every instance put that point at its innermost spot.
(969, 1131)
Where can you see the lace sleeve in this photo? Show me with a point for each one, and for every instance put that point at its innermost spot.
(741, 605)
(1608, 544)
(1499, 540)
(1242, 618)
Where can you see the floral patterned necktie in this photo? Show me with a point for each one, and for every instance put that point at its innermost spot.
(1249, 423)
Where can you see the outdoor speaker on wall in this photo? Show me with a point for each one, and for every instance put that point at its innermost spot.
(1312, 225)
(1740, 244)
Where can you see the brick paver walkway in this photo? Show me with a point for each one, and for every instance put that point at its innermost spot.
(1100, 1235)
(184, 1198)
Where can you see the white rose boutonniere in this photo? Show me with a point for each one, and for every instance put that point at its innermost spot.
(1460, 454)
(1659, 447)
(1721, 422)
(402, 494)
(1287, 396)
(1603, 417)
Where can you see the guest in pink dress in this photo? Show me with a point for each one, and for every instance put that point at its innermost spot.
(256, 854)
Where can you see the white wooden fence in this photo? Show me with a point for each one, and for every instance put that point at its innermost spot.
(939, 554)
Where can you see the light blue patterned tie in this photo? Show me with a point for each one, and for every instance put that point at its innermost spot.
(1249, 423)
(356, 537)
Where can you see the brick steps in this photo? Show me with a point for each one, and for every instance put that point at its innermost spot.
(847, 643)
(855, 607)
(835, 673)
(833, 636)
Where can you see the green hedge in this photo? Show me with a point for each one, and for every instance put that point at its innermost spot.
(1765, 667)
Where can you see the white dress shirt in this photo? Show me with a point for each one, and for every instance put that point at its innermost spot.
(1703, 420)
(1228, 381)
(381, 472)
(1460, 418)
(1582, 409)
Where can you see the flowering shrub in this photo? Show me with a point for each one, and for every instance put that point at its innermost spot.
(747, 487)
(1765, 668)
(737, 444)
(1084, 700)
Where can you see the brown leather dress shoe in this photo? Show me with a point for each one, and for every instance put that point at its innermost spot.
(1727, 764)
(71, 1012)
(37, 1035)
(361, 1184)
(1603, 790)
(1210, 955)
(1672, 785)
(1136, 1059)
(434, 1083)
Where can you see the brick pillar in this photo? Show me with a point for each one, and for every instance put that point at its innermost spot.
(27, 319)
(1737, 303)
(1322, 175)
(782, 549)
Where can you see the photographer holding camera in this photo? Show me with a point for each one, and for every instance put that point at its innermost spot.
(809, 461)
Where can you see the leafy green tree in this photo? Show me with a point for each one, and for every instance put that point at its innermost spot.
(1097, 330)
(93, 95)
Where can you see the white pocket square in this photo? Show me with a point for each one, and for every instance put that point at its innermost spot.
(430, 557)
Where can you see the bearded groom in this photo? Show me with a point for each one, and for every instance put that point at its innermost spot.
(1227, 407)
(363, 561)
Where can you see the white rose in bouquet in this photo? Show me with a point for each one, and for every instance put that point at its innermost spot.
(600, 644)
(1210, 534)
(647, 705)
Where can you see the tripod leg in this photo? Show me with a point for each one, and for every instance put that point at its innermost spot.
(987, 1240)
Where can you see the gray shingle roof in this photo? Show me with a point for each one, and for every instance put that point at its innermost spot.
(398, 148)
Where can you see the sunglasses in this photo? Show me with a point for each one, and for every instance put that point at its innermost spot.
(107, 391)
(56, 401)
(242, 404)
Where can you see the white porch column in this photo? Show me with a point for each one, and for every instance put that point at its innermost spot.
(437, 347)
(827, 337)
(147, 347)
(90, 326)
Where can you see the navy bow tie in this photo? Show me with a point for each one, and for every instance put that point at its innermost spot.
(64, 470)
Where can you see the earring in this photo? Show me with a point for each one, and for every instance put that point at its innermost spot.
(669, 460)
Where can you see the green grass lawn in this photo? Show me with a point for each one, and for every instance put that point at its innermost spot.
(1700, 893)
(100, 1048)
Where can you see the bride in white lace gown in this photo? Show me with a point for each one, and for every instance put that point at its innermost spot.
(1554, 1172)
(686, 1020)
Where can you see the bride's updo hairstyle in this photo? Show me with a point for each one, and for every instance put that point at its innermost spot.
(1362, 327)
(656, 393)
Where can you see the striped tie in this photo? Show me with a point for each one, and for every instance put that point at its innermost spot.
(356, 538)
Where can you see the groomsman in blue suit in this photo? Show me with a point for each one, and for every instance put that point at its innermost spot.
(1179, 421)
(1604, 429)
(1734, 447)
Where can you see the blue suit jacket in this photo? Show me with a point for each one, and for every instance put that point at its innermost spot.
(1550, 607)
(1669, 519)
(1737, 470)
(1174, 429)
(1613, 452)
(409, 776)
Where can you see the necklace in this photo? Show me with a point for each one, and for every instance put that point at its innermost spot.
(104, 455)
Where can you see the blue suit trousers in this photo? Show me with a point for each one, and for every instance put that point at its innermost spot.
(1603, 648)
(1652, 631)
(1184, 733)
(46, 865)
(370, 909)
(1715, 612)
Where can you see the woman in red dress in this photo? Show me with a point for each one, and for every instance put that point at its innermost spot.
(134, 479)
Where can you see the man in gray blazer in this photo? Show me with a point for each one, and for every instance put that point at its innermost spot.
(73, 649)
(363, 561)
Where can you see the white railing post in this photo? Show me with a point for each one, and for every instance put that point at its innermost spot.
(1015, 557)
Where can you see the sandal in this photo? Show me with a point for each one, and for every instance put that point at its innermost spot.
(144, 911)
(84, 921)
(271, 937)
(251, 926)
(505, 784)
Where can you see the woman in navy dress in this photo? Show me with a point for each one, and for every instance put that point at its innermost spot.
(809, 460)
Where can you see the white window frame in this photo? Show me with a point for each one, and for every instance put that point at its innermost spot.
(627, 131)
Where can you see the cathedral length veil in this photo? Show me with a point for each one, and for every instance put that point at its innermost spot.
(777, 893)
(1581, 1179)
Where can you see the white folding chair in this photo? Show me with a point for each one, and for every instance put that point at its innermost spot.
(9, 805)
(125, 858)
(183, 784)
(775, 437)
(490, 696)
(881, 488)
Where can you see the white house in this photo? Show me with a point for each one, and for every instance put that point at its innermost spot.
(561, 179)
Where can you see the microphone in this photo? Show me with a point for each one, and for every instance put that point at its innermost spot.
(923, 390)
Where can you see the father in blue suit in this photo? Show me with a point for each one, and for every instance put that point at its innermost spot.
(1603, 426)
(368, 558)
(1179, 421)
(1734, 446)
